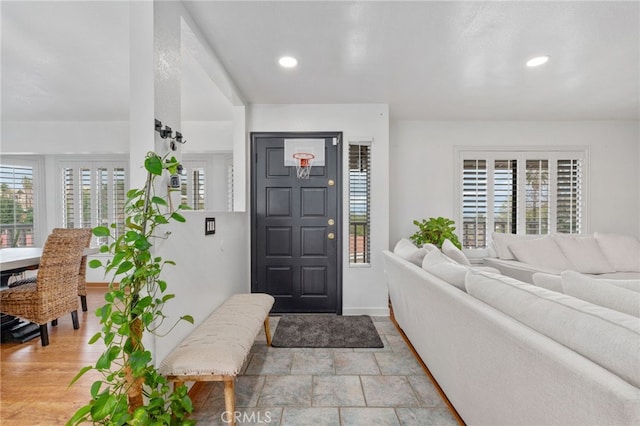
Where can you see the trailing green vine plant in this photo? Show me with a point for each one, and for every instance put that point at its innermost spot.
(130, 390)
(435, 231)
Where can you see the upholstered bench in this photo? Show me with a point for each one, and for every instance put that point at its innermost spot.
(218, 347)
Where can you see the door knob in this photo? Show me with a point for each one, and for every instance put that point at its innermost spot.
(331, 235)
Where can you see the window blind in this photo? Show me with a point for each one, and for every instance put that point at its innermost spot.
(16, 206)
(569, 197)
(474, 203)
(359, 203)
(532, 192)
(93, 195)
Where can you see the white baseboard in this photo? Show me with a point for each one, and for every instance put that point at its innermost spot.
(374, 312)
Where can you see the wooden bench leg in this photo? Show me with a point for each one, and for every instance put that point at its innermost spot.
(267, 331)
(177, 384)
(230, 399)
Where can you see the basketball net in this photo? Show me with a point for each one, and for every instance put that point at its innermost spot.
(304, 161)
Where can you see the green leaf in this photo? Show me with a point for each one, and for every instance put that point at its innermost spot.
(153, 164)
(158, 200)
(95, 263)
(95, 338)
(142, 244)
(178, 217)
(163, 285)
(95, 388)
(187, 318)
(80, 374)
(79, 415)
(124, 267)
(101, 231)
(103, 406)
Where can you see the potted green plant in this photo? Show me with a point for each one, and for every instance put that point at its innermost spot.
(435, 231)
(131, 391)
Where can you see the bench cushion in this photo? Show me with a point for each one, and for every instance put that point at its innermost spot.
(221, 343)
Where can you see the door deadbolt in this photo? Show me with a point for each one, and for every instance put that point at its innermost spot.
(331, 235)
(331, 182)
(331, 222)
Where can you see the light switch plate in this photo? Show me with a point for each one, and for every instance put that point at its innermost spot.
(209, 225)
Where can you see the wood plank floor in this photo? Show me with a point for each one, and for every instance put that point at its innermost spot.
(34, 381)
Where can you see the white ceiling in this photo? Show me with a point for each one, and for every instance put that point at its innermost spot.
(428, 60)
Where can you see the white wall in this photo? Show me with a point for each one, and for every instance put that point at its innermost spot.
(423, 166)
(208, 269)
(65, 137)
(364, 289)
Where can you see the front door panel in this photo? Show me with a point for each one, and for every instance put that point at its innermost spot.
(295, 226)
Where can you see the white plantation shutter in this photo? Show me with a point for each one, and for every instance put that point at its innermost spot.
(505, 178)
(93, 194)
(17, 204)
(569, 197)
(359, 203)
(193, 184)
(537, 197)
(532, 192)
(474, 203)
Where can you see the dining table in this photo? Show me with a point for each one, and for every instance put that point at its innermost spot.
(14, 260)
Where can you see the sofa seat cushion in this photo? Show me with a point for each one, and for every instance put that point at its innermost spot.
(606, 337)
(583, 253)
(607, 293)
(542, 251)
(622, 251)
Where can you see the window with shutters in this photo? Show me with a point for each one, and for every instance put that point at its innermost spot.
(93, 194)
(525, 192)
(359, 203)
(206, 181)
(193, 184)
(18, 204)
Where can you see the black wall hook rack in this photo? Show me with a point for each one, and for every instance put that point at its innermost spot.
(166, 132)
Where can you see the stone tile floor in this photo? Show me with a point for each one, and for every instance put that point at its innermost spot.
(282, 386)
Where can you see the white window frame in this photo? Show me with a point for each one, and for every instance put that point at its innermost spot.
(37, 163)
(523, 153)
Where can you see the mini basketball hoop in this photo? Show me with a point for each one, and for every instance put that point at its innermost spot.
(304, 161)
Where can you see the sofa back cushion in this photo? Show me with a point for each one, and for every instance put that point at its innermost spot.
(500, 243)
(408, 251)
(622, 251)
(540, 252)
(454, 253)
(444, 268)
(606, 337)
(548, 281)
(602, 293)
(583, 253)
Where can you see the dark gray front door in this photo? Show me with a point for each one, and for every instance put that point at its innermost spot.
(296, 230)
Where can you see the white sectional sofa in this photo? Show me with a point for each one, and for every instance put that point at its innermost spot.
(600, 254)
(511, 353)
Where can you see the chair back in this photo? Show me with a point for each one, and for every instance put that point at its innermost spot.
(84, 235)
(60, 265)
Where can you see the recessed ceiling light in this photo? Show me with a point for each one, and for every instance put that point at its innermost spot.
(288, 62)
(537, 61)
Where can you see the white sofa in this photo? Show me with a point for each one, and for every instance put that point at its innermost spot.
(510, 353)
(610, 256)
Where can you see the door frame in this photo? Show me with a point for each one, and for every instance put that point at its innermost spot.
(339, 200)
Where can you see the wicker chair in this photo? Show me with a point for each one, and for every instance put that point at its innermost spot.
(84, 234)
(55, 291)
